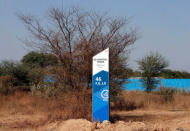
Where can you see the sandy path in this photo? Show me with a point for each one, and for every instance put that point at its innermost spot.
(159, 119)
(132, 120)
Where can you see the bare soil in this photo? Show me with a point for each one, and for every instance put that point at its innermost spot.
(138, 120)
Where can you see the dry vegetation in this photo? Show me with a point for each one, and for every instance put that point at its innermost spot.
(131, 100)
(23, 110)
(36, 110)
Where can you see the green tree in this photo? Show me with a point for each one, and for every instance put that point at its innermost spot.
(7, 67)
(16, 70)
(151, 66)
(128, 72)
(167, 73)
(35, 59)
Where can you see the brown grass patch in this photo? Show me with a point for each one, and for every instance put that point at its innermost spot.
(16, 109)
(140, 100)
(24, 110)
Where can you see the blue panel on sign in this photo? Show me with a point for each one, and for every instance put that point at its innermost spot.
(101, 96)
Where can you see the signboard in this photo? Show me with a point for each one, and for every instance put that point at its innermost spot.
(100, 83)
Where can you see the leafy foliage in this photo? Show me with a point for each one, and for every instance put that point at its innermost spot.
(35, 76)
(174, 74)
(151, 66)
(35, 59)
(15, 70)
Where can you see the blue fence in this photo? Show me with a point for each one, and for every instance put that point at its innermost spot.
(136, 84)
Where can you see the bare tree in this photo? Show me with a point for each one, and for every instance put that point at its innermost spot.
(75, 36)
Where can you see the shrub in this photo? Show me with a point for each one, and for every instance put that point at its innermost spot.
(20, 72)
(7, 67)
(35, 76)
(167, 73)
(15, 70)
(61, 106)
(167, 93)
(125, 104)
(6, 84)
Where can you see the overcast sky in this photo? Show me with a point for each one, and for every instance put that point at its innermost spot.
(164, 25)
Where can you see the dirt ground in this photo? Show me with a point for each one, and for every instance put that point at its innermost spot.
(138, 120)
(26, 112)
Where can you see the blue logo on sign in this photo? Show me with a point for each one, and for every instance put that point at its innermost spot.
(101, 96)
(104, 95)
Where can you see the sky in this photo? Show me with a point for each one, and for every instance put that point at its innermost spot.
(163, 26)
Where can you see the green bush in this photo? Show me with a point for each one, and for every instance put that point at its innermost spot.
(35, 59)
(167, 73)
(36, 76)
(16, 70)
(20, 72)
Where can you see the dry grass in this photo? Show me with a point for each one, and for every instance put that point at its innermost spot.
(50, 109)
(141, 100)
(23, 110)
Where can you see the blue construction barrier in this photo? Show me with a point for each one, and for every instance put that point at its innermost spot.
(136, 84)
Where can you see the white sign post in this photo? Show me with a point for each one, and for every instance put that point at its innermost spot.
(100, 80)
